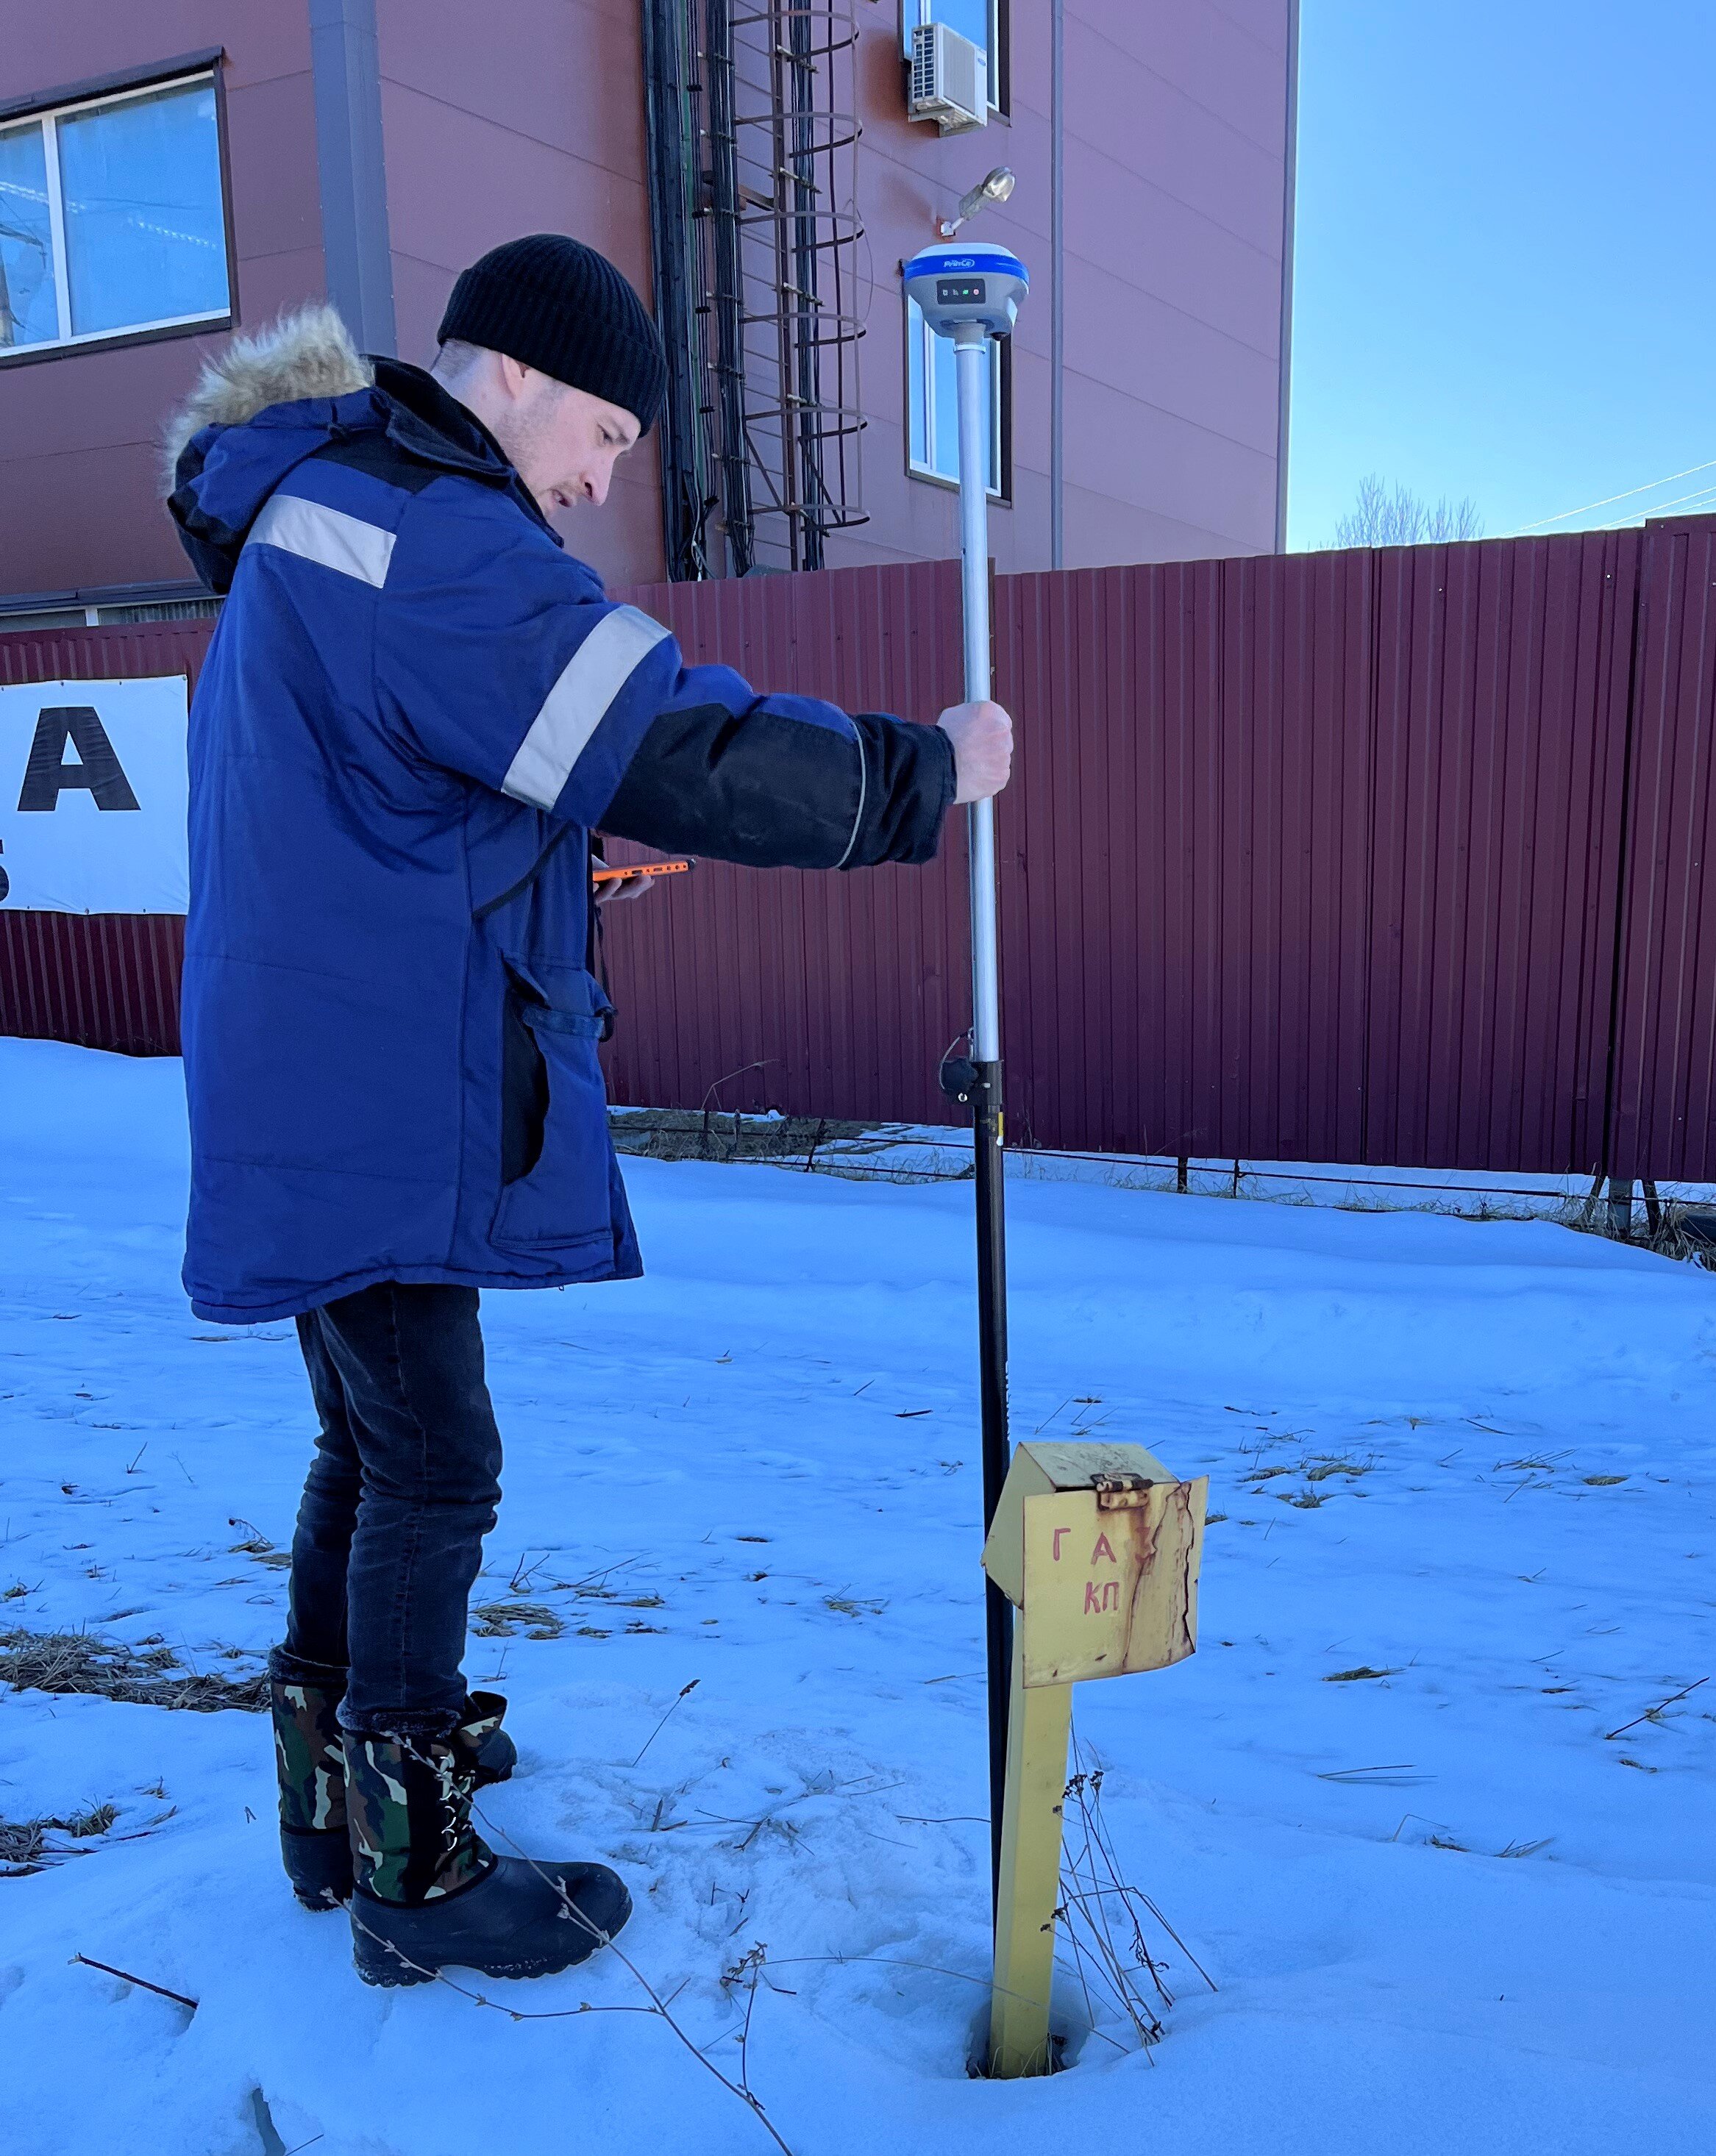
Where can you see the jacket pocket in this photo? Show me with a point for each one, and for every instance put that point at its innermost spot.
(555, 1154)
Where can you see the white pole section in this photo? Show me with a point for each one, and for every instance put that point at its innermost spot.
(971, 357)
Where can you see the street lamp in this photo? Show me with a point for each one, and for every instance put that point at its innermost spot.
(994, 188)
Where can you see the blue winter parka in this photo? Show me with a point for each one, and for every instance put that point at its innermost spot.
(415, 710)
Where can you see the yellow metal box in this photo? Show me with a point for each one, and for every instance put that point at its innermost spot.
(1099, 1546)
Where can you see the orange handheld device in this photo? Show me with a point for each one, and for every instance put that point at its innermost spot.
(640, 868)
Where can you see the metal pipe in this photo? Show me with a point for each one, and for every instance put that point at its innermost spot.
(971, 357)
(1057, 271)
(1289, 215)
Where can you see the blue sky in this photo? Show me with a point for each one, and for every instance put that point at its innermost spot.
(1504, 283)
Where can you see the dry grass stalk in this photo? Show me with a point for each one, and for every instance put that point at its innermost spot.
(820, 1145)
(25, 1847)
(658, 2006)
(147, 1676)
(1103, 1921)
(143, 1984)
(503, 1620)
(710, 1134)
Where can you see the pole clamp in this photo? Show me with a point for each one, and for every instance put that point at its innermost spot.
(959, 1077)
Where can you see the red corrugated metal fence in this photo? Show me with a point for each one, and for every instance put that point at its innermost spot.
(1664, 1078)
(1390, 857)
(1309, 857)
(778, 987)
(1500, 739)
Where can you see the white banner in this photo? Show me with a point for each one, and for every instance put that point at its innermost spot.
(92, 796)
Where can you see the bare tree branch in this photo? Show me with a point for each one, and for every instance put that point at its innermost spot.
(1402, 519)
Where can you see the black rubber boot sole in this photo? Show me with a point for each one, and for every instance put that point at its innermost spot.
(513, 1922)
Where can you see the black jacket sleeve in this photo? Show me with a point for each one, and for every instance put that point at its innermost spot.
(782, 782)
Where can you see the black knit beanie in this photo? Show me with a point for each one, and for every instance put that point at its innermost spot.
(558, 305)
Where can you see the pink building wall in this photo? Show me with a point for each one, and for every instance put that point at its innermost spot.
(1175, 170)
(79, 506)
(1175, 175)
(537, 125)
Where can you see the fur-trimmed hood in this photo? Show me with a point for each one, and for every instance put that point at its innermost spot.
(266, 404)
(306, 353)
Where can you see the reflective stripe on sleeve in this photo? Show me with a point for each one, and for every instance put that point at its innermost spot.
(317, 533)
(577, 704)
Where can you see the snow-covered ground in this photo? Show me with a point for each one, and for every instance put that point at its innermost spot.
(1444, 1909)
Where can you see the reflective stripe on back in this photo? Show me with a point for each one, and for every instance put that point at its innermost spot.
(316, 533)
(577, 704)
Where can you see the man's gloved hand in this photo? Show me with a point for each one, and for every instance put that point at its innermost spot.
(982, 735)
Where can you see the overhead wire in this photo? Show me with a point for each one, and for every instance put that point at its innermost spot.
(1702, 494)
(1625, 493)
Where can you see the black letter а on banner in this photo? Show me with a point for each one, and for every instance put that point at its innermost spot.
(99, 771)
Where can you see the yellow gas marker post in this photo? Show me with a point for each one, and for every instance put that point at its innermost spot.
(1097, 1546)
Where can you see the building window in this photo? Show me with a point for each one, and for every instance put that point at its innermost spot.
(112, 219)
(984, 21)
(932, 401)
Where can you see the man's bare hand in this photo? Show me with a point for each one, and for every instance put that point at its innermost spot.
(626, 886)
(982, 735)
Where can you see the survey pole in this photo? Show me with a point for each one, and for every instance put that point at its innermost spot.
(971, 354)
(970, 294)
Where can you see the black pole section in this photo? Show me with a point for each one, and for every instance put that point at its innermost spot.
(992, 1353)
(978, 1084)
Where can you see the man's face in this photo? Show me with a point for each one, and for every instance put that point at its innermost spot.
(563, 442)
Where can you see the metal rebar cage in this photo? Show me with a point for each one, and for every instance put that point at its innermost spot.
(754, 135)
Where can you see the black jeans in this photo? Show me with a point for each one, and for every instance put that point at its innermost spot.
(401, 1493)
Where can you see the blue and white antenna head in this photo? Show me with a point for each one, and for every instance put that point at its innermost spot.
(967, 282)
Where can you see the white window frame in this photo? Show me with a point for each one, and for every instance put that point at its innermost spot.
(916, 327)
(47, 122)
(908, 22)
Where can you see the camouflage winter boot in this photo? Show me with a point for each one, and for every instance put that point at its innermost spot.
(431, 1894)
(315, 1843)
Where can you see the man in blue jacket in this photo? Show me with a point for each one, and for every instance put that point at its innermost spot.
(415, 710)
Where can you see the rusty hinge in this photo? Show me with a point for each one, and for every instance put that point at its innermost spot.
(1119, 1493)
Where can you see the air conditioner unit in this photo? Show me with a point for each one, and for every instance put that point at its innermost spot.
(949, 81)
